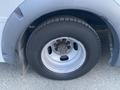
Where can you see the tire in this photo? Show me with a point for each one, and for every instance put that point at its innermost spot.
(64, 26)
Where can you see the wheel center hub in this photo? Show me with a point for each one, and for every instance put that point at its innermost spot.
(62, 46)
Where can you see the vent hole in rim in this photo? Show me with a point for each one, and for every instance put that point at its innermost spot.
(64, 58)
(50, 50)
(75, 46)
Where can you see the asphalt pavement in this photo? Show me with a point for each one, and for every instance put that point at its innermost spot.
(101, 77)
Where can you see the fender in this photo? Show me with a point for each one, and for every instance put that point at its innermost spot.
(30, 10)
(5, 12)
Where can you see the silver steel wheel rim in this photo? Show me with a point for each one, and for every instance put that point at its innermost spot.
(61, 56)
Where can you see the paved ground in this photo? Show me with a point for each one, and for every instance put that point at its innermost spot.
(102, 77)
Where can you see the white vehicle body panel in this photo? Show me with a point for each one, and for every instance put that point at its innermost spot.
(8, 6)
(2, 24)
(33, 9)
(6, 9)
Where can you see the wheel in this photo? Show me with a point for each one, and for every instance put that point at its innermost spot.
(63, 48)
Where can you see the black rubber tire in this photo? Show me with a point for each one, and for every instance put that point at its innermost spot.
(64, 26)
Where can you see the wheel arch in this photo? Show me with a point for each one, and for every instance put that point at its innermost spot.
(22, 17)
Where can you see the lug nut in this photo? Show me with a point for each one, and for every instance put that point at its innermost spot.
(68, 47)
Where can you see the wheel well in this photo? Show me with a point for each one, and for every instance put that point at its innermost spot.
(102, 27)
